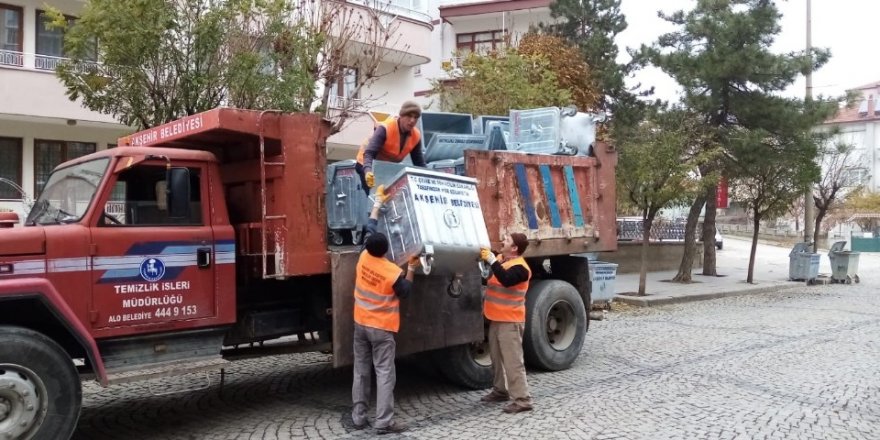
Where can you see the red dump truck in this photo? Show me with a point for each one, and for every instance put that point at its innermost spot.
(205, 240)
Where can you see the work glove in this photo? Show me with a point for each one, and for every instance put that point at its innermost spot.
(370, 178)
(487, 256)
(381, 197)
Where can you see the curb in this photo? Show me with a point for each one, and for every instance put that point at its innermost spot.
(649, 301)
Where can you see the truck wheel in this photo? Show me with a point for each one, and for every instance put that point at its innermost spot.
(556, 325)
(466, 365)
(40, 390)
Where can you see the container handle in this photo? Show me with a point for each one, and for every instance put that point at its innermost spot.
(427, 261)
(485, 269)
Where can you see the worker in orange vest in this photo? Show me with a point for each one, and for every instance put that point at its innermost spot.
(505, 308)
(392, 140)
(379, 283)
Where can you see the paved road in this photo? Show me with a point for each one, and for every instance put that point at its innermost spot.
(799, 363)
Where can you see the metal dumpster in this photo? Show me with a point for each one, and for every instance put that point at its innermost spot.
(437, 217)
(602, 276)
(346, 203)
(844, 264)
(803, 265)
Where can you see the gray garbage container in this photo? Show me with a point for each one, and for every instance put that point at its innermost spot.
(844, 264)
(602, 275)
(803, 265)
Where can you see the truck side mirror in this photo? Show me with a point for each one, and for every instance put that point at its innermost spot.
(178, 192)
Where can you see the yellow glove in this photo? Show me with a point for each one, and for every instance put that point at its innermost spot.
(381, 196)
(370, 178)
(487, 255)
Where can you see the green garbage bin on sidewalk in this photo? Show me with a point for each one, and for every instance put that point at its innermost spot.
(844, 264)
(803, 265)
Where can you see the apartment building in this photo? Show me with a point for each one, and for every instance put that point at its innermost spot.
(41, 128)
(859, 126)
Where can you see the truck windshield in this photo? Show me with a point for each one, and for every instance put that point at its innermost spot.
(68, 193)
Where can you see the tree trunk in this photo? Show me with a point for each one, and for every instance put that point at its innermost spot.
(709, 232)
(820, 214)
(750, 277)
(690, 235)
(646, 239)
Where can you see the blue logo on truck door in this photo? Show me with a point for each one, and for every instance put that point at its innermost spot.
(152, 269)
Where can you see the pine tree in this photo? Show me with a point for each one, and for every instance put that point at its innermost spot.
(720, 55)
(592, 25)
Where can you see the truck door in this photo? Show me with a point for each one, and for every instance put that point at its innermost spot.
(151, 270)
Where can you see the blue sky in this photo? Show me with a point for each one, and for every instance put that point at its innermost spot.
(844, 26)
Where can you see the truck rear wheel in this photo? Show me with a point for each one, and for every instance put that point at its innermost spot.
(466, 365)
(556, 325)
(40, 390)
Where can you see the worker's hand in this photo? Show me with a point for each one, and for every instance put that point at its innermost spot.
(370, 178)
(414, 263)
(381, 196)
(487, 255)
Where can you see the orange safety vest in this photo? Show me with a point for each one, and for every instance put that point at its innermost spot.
(375, 304)
(392, 151)
(507, 304)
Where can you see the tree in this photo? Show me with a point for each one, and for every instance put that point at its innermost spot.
(496, 82)
(568, 64)
(193, 55)
(862, 201)
(770, 172)
(720, 55)
(592, 26)
(657, 167)
(837, 164)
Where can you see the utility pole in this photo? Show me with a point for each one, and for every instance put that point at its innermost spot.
(809, 216)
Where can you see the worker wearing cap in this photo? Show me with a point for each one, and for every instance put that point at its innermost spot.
(392, 141)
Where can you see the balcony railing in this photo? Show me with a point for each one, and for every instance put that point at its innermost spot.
(32, 61)
(415, 9)
(342, 102)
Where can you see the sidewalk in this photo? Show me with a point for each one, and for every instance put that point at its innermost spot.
(770, 274)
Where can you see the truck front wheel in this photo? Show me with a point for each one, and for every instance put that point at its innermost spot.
(556, 325)
(40, 391)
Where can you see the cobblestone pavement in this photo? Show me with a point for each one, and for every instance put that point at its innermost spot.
(793, 364)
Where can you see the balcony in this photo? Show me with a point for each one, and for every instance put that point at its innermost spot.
(30, 88)
(407, 21)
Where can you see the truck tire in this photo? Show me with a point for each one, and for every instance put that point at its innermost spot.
(466, 365)
(556, 325)
(40, 390)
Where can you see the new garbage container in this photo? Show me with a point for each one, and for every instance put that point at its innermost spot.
(602, 276)
(844, 264)
(803, 265)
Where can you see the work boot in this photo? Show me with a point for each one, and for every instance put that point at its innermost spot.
(495, 396)
(393, 428)
(514, 408)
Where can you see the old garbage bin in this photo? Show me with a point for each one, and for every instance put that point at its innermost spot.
(602, 275)
(844, 264)
(803, 265)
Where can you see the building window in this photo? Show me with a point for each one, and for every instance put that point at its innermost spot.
(10, 167)
(50, 154)
(345, 88)
(50, 42)
(479, 42)
(11, 35)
